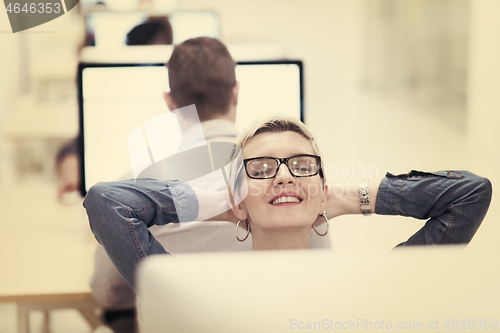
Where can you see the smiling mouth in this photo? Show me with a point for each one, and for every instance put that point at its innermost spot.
(283, 200)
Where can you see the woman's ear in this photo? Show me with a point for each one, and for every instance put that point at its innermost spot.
(239, 211)
(324, 199)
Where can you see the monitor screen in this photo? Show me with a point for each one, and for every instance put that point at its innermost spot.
(110, 29)
(158, 6)
(117, 98)
(316, 291)
(190, 24)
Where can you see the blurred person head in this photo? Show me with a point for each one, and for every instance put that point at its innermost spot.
(68, 172)
(201, 72)
(285, 184)
(155, 31)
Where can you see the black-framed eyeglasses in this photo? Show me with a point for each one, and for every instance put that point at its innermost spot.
(298, 165)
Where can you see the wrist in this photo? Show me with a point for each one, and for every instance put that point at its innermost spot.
(364, 197)
(344, 199)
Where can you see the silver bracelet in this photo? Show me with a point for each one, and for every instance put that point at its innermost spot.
(364, 198)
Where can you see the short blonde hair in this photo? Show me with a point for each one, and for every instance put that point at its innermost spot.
(276, 123)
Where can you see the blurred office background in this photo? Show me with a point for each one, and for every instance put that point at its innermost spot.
(389, 86)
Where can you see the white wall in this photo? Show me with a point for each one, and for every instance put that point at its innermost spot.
(484, 109)
(9, 66)
(326, 35)
(9, 90)
(417, 48)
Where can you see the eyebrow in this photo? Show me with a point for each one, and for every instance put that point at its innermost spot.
(294, 154)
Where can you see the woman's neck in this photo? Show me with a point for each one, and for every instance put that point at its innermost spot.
(280, 239)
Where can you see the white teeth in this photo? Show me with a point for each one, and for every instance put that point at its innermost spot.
(285, 199)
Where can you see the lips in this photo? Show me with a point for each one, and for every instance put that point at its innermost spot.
(286, 198)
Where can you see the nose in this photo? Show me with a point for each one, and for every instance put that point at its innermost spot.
(284, 176)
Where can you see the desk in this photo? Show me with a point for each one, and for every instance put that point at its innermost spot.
(46, 254)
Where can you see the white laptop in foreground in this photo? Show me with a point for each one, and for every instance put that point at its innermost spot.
(446, 289)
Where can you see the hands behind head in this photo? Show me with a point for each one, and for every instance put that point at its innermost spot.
(214, 206)
(334, 206)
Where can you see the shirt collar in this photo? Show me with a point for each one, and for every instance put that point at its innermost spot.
(215, 129)
(219, 127)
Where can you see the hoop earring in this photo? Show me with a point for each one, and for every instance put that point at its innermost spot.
(314, 227)
(236, 231)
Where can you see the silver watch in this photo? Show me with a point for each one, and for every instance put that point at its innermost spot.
(364, 197)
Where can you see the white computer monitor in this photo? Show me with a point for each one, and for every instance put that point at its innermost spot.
(413, 289)
(117, 98)
(109, 29)
(188, 24)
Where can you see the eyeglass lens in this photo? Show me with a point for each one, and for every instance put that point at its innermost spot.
(299, 166)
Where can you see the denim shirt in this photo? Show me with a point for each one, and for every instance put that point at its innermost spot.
(453, 202)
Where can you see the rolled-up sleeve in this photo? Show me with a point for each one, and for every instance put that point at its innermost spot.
(454, 202)
(121, 212)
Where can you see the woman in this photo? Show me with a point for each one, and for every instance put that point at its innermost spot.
(284, 197)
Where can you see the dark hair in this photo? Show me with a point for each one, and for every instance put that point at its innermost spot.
(201, 72)
(156, 30)
(67, 149)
